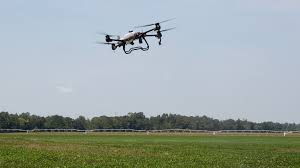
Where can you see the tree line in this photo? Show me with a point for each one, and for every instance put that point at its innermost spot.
(137, 121)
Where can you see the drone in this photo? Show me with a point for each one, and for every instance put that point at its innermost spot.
(116, 41)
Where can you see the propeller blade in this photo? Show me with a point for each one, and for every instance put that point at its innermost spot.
(154, 23)
(145, 25)
(110, 35)
(166, 20)
(104, 43)
(168, 29)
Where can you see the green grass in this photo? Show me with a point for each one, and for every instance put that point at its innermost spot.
(141, 150)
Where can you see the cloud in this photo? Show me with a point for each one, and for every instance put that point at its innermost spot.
(64, 89)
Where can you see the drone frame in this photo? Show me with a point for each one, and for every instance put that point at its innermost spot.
(141, 36)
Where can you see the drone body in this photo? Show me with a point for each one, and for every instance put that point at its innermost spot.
(132, 36)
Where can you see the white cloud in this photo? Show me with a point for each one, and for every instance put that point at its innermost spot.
(64, 89)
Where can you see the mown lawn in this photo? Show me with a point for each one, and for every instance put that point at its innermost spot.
(141, 150)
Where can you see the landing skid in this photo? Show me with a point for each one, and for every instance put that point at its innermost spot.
(136, 48)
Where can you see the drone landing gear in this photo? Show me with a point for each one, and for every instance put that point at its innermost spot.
(113, 47)
(140, 40)
(137, 48)
(159, 35)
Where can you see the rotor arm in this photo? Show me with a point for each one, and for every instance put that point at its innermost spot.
(151, 35)
(158, 35)
(145, 33)
(116, 40)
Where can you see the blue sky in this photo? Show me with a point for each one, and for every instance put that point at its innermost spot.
(226, 59)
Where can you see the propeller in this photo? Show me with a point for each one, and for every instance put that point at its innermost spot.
(167, 29)
(154, 23)
(104, 43)
(109, 35)
(113, 45)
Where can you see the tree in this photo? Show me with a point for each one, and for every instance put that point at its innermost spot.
(55, 122)
(136, 120)
(80, 123)
(4, 120)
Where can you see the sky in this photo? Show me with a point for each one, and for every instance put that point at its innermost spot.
(225, 59)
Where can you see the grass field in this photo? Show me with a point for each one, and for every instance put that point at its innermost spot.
(141, 150)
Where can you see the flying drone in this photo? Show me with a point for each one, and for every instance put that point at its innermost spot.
(116, 41)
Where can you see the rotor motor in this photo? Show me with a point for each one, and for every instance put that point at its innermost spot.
(107, 38)
(157, 26)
